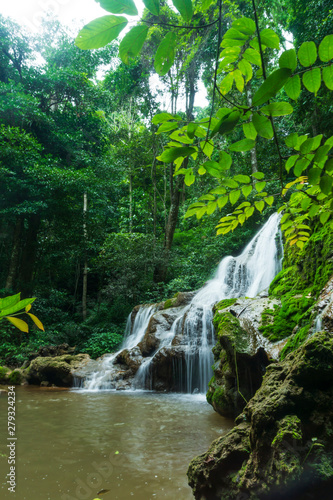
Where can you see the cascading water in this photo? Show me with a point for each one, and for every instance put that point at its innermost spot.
(102, 378)
(246, 275)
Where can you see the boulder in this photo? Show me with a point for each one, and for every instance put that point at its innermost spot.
(55, 370)
(159, 326)
(282, 445)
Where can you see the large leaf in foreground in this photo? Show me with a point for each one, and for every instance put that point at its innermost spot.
(100, 32)
(119, 7)
(165, 54)
(271, 86)
(185, 8)
(132, 43)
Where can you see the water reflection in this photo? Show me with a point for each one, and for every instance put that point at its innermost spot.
(138, 445)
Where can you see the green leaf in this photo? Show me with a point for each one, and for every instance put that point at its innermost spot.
(191, 128)
(201, 170)
(239, 80)
(321, 153)
(324, 217)
(249, 131)
(165, 54)
(226, 84)
(246, 190)
(293, 87)
(214, 169)
(258, 175)
(234, 196)
(9, 301)
(314, 176)
(230, 183)
(207, 147)
(163, 117)
(119, 6)
(166, 127)
(243, 145)
(234, 34)
(132, 43)
(291, 162)
(211, 207)
(288, 59)
(184, 8)
(270, 39)
(311, 144)
(326, 49)
(171, 154)
(263, 126)
(218, 190)
(291, 140)
(328, 77)
(260, 205)
(245, 25)
(222, 201)
(246, 69)
(189, 177)
(21, 325)
(312, 80)
(253, 57)
(269, 200)
(181, 136)
(225, 160)
(271, 86)
(36, 321)
(277, 109)
(245, 179)
(326, 184)
(307, 54)
(260, 186)
(153, 6)
(227, 123)
(300, 166)
(100, 32)
(16, 307)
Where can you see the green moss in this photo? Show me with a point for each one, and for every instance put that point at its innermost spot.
(279, 323)
(289, 430)
(224, 303)
(227, 325)
(3, 373)
(295, 341)
(170, 302)
(15, 377)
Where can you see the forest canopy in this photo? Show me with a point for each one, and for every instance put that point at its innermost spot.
(109, 199)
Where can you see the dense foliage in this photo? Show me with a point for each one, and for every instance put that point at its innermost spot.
(99, 183)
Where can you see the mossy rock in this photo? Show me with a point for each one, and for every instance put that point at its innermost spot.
(55, 370)
(287, 429)
(4, 370)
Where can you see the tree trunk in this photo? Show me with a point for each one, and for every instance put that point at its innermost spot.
(29, 256)
(254, 160)
(14, 259)
(85, 266)
(130, 203)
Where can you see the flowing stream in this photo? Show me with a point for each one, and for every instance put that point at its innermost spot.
(70, 444)
(244, 276)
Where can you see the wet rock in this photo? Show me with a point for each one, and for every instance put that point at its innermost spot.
(241, 353)
(180, 299)
(164, 365)
(55, 370)
(131, 359)
(158, 327)
(282, 445)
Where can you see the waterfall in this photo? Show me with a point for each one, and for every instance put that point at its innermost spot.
(102, 377)
(246, 275)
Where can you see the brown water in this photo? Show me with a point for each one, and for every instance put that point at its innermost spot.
(72, 444)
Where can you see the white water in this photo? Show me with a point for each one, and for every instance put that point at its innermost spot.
(246, 275)
(102, 378)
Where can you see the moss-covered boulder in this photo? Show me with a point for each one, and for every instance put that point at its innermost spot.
(282, 445)
(241, 353)
(11, 377)
(55, 370)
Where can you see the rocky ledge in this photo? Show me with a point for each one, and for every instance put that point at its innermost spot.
(282, 444)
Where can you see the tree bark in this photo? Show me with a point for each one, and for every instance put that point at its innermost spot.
(29, 255)
(15, 255)
(85, 266)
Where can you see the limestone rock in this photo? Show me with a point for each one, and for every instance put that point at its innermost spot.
(282, 445)
(55, 370)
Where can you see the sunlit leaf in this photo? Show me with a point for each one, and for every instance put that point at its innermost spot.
(249, 131)
(189, 177)
(245, 25)
(9, 301)
(153, 6)
(253, 56)
(207, 147)
(132, 43)
(326, 49)
(293, 87)
(100, 32)
(260, 186)
(226, 84)
(245, 179)
(163, 117)
(184, 8)
(271, 86)
(36, 321)
(288, 59)
(258, 175)
(270, 38)
(171, 154)
(165, 54)
(239, 80)
(324, 217)
(328, 77)
(312, 80)
(246, 69)
(260, 205)
(243, 145)
(119, 6)
(234, 196)
(19, 323)
(269, 200)
(263, 126)
(277, 109)
(291, 162)
(246, 190)
(167, 127)
(307, 54)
